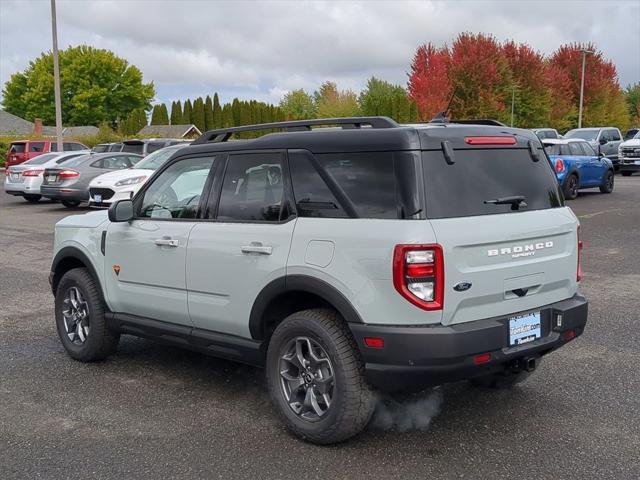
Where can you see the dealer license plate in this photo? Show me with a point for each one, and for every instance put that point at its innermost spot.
(524, 328)
(97, 198)
(52, 178)
(15, 177)
(637, 162)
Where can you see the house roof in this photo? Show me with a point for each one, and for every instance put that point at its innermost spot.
(169, 131)
(12, 125)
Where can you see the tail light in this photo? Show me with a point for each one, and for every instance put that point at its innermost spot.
(580, 247)
(418, 275)
(68, 174)
(32, 173)
(490, 140)
(559, 165)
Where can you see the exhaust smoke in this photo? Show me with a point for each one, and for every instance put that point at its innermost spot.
(411, 412)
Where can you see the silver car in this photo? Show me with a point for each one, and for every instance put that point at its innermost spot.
(25, 179)
(69, 183)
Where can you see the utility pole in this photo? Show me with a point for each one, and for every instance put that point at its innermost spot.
(513, 103)
(56, 77)
(584, 59)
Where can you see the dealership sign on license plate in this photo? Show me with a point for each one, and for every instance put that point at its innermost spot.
(524, 328)
(97, 198)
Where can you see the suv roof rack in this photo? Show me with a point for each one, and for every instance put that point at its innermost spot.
(224, 134)
(479, 121)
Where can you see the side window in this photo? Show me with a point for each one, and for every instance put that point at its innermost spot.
(368, 180)
(77, 146)
(153, 146)
(604, 136)
(252, 189)
(588, 149)
(575, 149)
(176, 192)
(116, 163)
(614, 135)
(67, 147)
(313, 197)
(53, 147)
(36, 146)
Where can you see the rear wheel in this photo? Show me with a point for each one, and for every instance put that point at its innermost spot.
(316, 377)
(70, 203)
(607, 182)
(32, 198)
(626, 174)
(571, 187)
(80, 317)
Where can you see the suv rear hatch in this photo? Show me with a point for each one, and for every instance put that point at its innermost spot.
(509, 244)
(17, 153)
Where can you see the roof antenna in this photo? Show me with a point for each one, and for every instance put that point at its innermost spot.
(442, 116)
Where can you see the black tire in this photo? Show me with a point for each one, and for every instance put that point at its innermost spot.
(352, 401)
(608, 182)
(626, 174)
(500, 381)
(70, 203)
(32, 198)
(100, 342)
(570, 188)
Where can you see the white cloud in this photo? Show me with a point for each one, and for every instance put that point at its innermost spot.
(261, 49)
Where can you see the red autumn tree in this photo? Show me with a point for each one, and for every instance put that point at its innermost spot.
(480, 76)
(429, 85)
(531, 92)
(603, 99)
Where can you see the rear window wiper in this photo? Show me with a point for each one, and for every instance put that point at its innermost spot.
(516, 201)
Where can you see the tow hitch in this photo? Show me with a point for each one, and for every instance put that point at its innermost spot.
(527, 364)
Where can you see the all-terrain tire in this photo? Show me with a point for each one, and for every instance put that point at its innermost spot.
(353, 401)
(100, 342)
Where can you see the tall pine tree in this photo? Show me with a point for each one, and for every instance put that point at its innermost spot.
(176, 113)
(217, 112)
(159, 115)
(197, 115)
(208, 114)
(187, 112)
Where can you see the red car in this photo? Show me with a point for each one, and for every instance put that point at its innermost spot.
(23, 150)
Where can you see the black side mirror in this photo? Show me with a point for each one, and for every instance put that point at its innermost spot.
(121, 211)
(603, 141)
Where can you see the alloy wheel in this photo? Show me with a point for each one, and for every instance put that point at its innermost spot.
(307, 378)
(75, 314)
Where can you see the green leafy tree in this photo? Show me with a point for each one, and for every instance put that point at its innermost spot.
(197, 115)
(208, 114)
(187, 112)
(330, 102)
(217, 112)
(383, 98)
(96, 86)
(134, 122)
(159, 115)
(298, 105)
(632, 97)
(176, 113)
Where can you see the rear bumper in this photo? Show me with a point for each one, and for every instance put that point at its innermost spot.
(64, 193)
(417, 357)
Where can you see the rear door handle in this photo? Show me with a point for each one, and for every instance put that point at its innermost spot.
(166, 242)
(256, 247)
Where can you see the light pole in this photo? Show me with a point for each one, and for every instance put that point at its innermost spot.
(584, 59)
(56, 76)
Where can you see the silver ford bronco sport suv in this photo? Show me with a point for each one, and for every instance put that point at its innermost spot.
(368, 256)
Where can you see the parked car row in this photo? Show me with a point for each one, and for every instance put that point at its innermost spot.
(139, 147)
(84, 176)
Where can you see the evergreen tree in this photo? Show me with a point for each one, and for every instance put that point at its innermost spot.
(235, 111)
(197, 114)
(208, 114)
(187, 112)
(159, 115)
(176, 113)
(217, 112)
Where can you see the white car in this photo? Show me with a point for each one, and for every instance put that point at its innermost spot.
(24, 180)
(629, 155)
(124, 184)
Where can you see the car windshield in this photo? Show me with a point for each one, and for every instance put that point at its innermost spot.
(78, 161)
(584, 134)
(156, 159)
(40, 159)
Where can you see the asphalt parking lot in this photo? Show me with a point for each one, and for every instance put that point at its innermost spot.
(157, 412)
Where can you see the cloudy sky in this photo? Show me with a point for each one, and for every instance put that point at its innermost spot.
(260, 49)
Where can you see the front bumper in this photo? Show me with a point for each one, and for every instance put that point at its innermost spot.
(629, 165)
(417, 357)
(64, 193)
(112, 195)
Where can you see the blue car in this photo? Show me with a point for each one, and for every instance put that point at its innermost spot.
(578, 165)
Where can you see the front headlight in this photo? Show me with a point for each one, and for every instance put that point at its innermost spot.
(130, 181)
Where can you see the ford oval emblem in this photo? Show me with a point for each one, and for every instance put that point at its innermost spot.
(462, 286)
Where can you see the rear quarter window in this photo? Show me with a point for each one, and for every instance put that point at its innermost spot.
(479, 175)
(36, 146)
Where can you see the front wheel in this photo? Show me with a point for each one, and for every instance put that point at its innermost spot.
(80, 318)
(571, 187)
(32, 198)
(316, 377)
(70, 203)
(607, 182)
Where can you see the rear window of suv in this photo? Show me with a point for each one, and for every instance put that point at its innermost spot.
(479, 175)
(17, 147)
(133, 148)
